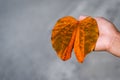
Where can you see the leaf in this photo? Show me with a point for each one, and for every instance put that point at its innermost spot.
(68, 33)
(63, 35)
(86, 37)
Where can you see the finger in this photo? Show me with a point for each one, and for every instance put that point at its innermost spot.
(82, 17)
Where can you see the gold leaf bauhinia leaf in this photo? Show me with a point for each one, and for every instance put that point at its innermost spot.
(68, 33)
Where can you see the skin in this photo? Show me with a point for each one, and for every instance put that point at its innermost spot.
(109, 36)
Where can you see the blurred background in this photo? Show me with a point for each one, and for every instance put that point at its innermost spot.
(25, 48)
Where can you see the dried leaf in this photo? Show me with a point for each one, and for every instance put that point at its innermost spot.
(86, 37)
(68, 33)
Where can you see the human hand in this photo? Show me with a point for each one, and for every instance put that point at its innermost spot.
(109, 36)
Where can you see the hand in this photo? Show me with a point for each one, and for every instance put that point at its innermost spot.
(107, 36)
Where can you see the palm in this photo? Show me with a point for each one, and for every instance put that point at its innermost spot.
(106, 33)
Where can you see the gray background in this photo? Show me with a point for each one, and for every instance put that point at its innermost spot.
(25, 49)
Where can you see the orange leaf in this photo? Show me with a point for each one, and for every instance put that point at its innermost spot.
(86, 37)
(68, 33)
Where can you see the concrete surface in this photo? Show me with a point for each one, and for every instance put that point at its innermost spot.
(25, 49)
